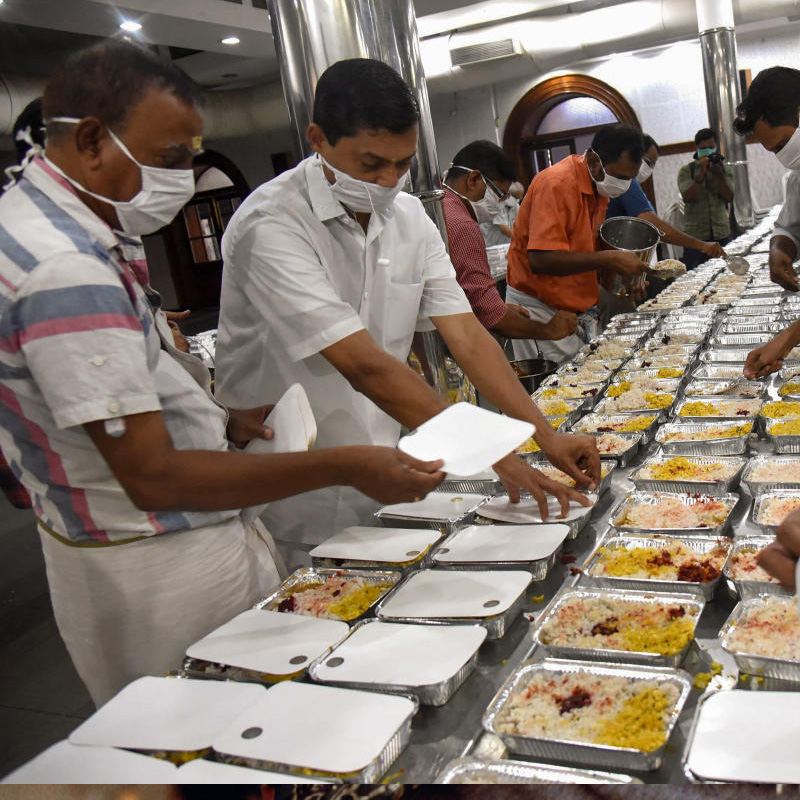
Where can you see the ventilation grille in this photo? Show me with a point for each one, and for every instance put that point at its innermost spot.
(486, 51)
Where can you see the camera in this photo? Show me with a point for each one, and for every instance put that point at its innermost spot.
(716, 158)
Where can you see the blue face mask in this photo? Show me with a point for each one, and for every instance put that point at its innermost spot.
(706, 151)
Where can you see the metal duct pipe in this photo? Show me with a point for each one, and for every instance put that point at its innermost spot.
(723, 95)
(311, 36)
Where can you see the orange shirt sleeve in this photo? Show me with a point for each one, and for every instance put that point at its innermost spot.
(551, 212)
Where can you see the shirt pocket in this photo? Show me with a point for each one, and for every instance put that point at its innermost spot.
(400, 317)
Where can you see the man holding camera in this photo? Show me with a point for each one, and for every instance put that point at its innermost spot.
(706, 186)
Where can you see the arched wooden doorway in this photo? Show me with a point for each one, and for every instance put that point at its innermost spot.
(537, 102)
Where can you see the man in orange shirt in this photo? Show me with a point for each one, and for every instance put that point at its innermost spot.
(553, 258)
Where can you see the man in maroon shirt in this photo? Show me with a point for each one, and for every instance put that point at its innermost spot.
(475, 184)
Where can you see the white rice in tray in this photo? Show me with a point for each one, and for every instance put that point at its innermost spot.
(770, 471)
(599, 709)
(609, 444)
(673, 512)
(769, 628)
(775, 509)
(744, 566)
(609, 349)
(635, 400)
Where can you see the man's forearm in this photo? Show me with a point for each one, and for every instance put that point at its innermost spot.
(562, 262)
(514, 325)
(783, 244)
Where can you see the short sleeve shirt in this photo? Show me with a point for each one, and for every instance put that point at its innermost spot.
(300, 275)
(788, 222)
(630, 203)
(706, 218)
(79, 342)
(560, 211)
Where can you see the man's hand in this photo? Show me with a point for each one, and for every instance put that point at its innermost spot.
(780, 557)
(713, 250)
(518, 476)
(625, 262)
(769, 357)
(247, 424)
(173, 318)
(391, 476)
(577, 456)
(781, 270)
(563, 323)
(519, 309)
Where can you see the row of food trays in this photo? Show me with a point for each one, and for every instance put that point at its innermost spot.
(392, 617)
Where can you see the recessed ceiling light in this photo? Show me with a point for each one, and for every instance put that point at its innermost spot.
(230, 40)
(130, 26)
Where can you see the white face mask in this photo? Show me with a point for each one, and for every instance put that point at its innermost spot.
(789, 154)
(163, 194)
(645, 171)
(489, 206)
(360, 195)
(610, 186)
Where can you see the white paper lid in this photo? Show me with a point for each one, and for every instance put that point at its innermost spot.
(293, 424)
(202, 771)
(486, 543)
(167, 714)
(433, 594)
(391, 545)
(747, 736)
(403, 655)
(526, 511)
(269, 641)
(70, 763)
(318, 727)
(436, 506)
(467, 437)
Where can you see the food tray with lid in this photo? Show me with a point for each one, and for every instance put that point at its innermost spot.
(762, 502)
(783, 443)
(606, 423)
(477, 771)
(530, 547)
(729, 408)
(743, 588)
(324, 731)
(717, 355)
(750, 663)
(726, 446)
(263, 646)
(778, 462)
(526, 512)
(702, 545)
(746, 738)
(428, 661)
(608, 407)
(358, 547)
(306, 577)
(726, 388)
(728, 502)
(444, 511)
(692, 602)
(490, 598)
(584, 753)
(692, 486)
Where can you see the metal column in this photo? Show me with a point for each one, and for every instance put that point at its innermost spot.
(723, 95)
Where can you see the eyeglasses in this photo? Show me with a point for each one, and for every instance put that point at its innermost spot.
(501, 195)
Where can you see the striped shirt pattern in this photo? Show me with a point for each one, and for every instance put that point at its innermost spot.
(79, 343)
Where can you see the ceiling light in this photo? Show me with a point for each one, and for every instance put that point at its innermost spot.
(230, 40)
(130, 26)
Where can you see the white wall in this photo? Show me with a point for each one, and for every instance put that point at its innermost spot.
(664, 85)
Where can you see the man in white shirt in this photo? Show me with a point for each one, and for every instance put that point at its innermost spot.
(329, 269)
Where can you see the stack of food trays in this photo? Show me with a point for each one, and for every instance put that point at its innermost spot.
(443, 511)
(678, 564)
(606, 715)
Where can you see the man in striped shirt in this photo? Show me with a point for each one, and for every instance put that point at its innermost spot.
(479, 178)
(111, 429)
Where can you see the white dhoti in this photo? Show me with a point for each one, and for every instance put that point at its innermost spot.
(130, 610)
